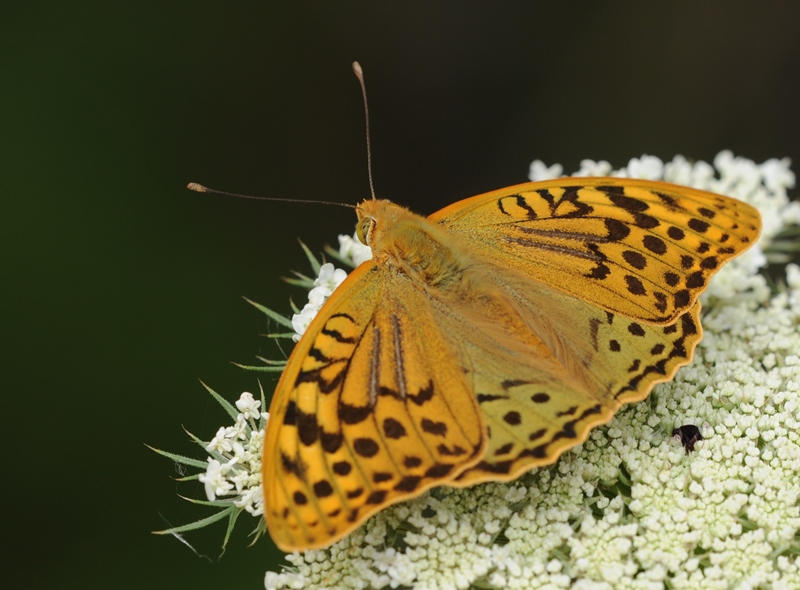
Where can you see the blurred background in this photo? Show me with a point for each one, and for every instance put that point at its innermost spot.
(121, 289)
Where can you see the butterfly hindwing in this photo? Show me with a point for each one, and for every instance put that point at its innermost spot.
(534, 413)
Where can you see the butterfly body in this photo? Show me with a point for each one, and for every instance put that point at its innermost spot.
(487, 339)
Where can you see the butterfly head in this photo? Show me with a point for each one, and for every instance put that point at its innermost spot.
(375, 218)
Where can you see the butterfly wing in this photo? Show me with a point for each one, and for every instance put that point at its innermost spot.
(366, 413)
(606, 274)
(536, 410)
(638, 248)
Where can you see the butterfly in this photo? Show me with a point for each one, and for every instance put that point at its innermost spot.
(487, 339)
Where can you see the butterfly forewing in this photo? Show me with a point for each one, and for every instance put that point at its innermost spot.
(638, 248)
(366, 414)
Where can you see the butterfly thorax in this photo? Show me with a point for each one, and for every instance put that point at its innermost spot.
(406, 243)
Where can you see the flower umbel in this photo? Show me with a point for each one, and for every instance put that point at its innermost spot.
(630, 508)
(232, 476)
(329, 278)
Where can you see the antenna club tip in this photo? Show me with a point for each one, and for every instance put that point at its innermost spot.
(357, 69)
(199, 188)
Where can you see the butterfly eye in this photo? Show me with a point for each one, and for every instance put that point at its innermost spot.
(362, 229)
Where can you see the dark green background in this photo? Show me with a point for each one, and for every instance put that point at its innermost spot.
(120, 288)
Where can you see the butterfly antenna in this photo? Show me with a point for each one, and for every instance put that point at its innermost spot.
(199, 188)
(360, 75)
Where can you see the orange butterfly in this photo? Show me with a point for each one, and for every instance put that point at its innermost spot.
(487, 339)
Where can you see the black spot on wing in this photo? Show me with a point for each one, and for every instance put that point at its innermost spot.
(645, 221)
(504, 450)
(682, 298)
(433, 427)
(353, 414)
(366, 447)
(655, 244)
(616, 230)
(568, 412)
(522, 203)
(668, 201)
(635, 286)
(337, 335)
(661, 301)
(408, 484)
(688, 325)
(342, 468)
(509, 383)
(635, 329)
(698, 225)
(707, 213)
(412, 462)
(307, 428)
(424, 395)
(331, 441)
(500, 467)
(594, 326)
(456, 451)
(290, 416)
(630, 204)
(709, 263)
(393, 429)
(317, 355)
(537, 434)
(376, 497)
(315, 376)
(323, 488)
(439, 470)
(696, 280)
(490, 397)
(290, 465)
(635, 259)
(676, 233)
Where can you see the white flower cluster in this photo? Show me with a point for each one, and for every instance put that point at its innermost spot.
(630, 507)
(329, 278)
(351, 248)
(234, 467)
